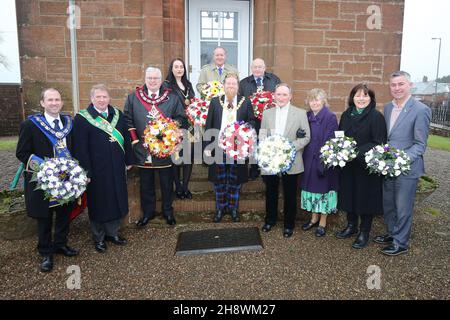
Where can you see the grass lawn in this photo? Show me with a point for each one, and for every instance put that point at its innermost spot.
(8, 143)
(438, 142)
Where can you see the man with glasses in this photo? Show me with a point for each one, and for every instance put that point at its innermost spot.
(144, 104)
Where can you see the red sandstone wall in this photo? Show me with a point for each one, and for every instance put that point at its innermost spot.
(308, 43)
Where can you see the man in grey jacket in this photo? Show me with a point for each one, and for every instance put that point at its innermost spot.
(286, 120)
(408, 122)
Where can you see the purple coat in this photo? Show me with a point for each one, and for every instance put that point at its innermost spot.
(316, 178)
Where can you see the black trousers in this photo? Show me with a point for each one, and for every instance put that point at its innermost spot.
(290, 187)
(366, 221)
(47, 245)
(148, 193)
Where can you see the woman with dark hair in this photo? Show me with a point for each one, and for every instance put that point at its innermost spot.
(360, 193)
(182, 88)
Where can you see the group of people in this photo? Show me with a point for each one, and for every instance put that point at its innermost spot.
(107, 142)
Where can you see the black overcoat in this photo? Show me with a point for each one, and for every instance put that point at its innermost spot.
(33, 141)
(361, 192)
(214, 121)
(105, 163)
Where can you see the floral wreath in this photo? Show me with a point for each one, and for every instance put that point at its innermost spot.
(238, 140)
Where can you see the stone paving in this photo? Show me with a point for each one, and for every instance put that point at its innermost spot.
(301, 267)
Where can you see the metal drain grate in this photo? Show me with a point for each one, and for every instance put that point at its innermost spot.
(218, 240)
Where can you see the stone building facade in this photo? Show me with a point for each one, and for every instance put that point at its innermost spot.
(308, 43)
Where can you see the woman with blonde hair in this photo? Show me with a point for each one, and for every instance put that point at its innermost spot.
(319, 185)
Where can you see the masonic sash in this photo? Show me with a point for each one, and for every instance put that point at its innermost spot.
(105, 126)
(56, 138)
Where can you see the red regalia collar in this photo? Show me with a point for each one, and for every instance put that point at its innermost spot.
(141, 93)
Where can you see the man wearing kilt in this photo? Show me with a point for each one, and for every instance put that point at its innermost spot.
(43, 136)
(152, 102)
(227, 177)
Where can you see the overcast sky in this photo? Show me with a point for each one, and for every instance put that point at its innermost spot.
(426, 19)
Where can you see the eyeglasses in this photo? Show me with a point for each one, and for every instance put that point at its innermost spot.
(153, 78)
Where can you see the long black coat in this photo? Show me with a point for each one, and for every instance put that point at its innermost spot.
(247, 87)
(214, 121)
(33, 141)
(361, 192)
(105, 163)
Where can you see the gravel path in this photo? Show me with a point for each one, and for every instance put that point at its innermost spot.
(302, 267)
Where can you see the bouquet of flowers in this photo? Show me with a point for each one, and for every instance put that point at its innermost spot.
(261, 100)
(197, 112)
(338, 151)
(238, 140)
(387, 161)
(61, 179)
(162, 136)
(211, 90)
(275, 154)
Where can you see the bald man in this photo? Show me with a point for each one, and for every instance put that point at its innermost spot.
(248, 86)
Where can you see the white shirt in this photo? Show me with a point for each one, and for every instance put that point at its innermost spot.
(150, 93)
(50, 120)
(100, 111)
(228, 116)
(281, 118)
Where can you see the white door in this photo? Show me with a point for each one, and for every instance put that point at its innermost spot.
(224, 23)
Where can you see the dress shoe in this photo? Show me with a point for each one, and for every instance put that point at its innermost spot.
(347, 232)
(383, 239)
(188, 194)
(117, 240)
(309, 225)
(320, 231)
(170, 220)
(361, 241)
(394, 250)
(287, 233)
(47, 264)
(143, 222)
(100, 246)
(267, 227)
(180, 195)
(67, 251)
(235, 215)
(218, 216)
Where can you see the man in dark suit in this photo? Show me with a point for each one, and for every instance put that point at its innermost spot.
(408, 123)
(259, 79)
(43, 136)
(145, 103)
(101, 144)
(227, 177)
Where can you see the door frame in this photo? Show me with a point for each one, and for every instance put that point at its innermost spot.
(243, 72)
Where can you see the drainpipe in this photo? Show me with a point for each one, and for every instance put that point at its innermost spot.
(73, 19)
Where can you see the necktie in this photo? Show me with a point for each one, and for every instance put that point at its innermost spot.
(220, 71)
(259, 82)
(104, 115)
(56, 122)
(230, 106)
(153, 96)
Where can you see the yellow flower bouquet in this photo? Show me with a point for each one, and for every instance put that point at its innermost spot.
(161, 137)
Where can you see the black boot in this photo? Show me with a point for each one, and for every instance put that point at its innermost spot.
(349, 231)
(361, 241)
(218, 216)
(235, 215)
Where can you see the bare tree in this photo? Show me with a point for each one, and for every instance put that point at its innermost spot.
(3, 58)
